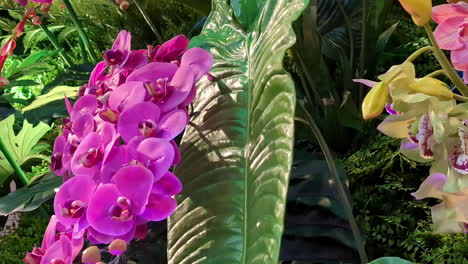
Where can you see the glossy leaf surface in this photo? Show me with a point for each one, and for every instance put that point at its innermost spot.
(236, 157)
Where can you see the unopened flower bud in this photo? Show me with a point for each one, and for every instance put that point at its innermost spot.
(45, 8)
(124, 5)
(375, 100)
(37, 20)
(30, 12)
(433, 87)
(91, 255)
(117, 247)
(420, 10)
(3, 81)
(118, 1)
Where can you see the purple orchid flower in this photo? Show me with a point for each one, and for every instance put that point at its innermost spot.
(171, 50)
(114, 207)
(121, 54)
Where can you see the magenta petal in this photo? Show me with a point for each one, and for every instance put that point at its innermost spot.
(92, 141)
(134, 182)
(177, 156)
(460, 59)
(61, 249)
(99, 238)
(130, 119)
(135, 60)
(99, 212)
(86, 104)
(117, 158)
(98, 73)
(159, 207)
(441, 13)
(169, 185)
(126, 95)
(153, 71)
(158, 153)
(199, 60)
(172, 49)
(83, 125)
(79, 188)
(123, 41)
(57, 156)
(172, 124)
(107, 131)
(190, 97)
(68, 105)
(49, 234)
(447, 35)
(180, 88)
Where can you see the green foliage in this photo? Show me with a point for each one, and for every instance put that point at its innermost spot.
(238, 152)
(14, 246)
(21, 145)
(381, 180)
(390, 260)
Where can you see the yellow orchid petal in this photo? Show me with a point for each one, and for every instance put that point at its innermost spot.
(420, 10)
(433, 87)
(375, 100)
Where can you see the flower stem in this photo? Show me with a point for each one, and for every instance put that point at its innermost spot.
(81, 31)
(460, 98)
(445, 63)
(418, 53)
(56, 44)
(24, 180)
(148, 21)
(435, 73)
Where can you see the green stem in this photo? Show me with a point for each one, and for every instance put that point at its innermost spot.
(445, 63)
(339, 184)
(13, 163)
(148, 21)
(81, 31)
(460, 98)
(418, 53)
(436, 73)
(56, 44)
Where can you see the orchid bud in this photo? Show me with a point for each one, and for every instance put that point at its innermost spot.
(374, 102)
(45, 8)
(30, 12)
(433, 87)
(117, 247)
(37, 20)
(91, 255)
(3, 81)
(8, 48)
(118, 1)
(124, 5)
(18, 30)
(420, 10)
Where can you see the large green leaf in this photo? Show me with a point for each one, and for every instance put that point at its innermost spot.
(390, 260)
(237, 154)
(49, 106)
(20, 145)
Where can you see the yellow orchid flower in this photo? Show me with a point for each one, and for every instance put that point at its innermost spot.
(420, 10)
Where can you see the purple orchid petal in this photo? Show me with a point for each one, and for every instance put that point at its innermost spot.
(100, 212)
(50, 233)
(99, 238)
(60, 250)
(177, 156)
(159, 207)
(447, 36)
(68, 105)
(190, 97)
(71, 200)
(117, 158)
(172, 124)
(460, 57)
(86, 104)
(158, 153)
(97, 73)
(140, 119)
(198, 60)
(135, 60)
(88, 156)
(134, 183)
(57, 156)
(179, 89)
(83, 125)
(123, 41)
(168, 185)
(127, 95)
(153, 71)
(172, 49)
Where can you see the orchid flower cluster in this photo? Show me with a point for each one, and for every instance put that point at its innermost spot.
(117, 147)
(428, 116)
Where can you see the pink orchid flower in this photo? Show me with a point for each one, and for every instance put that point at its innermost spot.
(452, 33)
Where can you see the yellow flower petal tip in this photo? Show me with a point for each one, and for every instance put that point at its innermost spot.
(375, 100)
(420, 10)
(432, 87)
